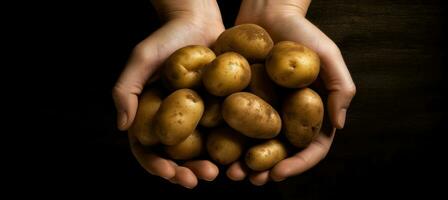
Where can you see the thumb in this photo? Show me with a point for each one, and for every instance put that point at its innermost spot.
(339, 83)
(140, 67)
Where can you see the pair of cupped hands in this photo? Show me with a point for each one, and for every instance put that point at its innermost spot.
(199, 22)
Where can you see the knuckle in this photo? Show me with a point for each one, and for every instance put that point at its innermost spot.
(350, 90)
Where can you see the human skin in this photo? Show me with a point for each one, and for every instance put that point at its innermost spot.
(187, 22)
(285, 21)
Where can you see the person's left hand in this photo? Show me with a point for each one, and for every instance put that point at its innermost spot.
(284, 20)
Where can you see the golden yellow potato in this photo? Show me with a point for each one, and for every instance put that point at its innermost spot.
(148, 104)
(303, 112)
(251, 116)
(224, 145)
(183, 69)
(264, 156)
(212, 114)
(249, 40)
(292, 65)
(228, 73)
(187, 149)
(261, 85)
(178, 116)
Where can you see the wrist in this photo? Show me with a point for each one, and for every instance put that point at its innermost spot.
(195, 10)
(260, 11)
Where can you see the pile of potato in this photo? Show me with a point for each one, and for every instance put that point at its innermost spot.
(246, 99)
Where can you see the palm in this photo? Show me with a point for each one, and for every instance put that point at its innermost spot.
(337, 85)
(147, 57)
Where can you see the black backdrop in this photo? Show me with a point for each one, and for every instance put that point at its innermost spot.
(391, 145)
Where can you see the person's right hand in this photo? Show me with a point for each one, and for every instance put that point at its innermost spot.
(188, 22)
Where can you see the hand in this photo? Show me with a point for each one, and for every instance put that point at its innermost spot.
(187, 22)
(284, 20)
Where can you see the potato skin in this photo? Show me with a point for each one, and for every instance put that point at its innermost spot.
(183, 69)
(212, 116)
(178, 116)
(250, 40)
(148, 104)
(224, 145)
(251, 116)
(228, 73)
(292, 65)
(187, 149)
(303, 113)
(261, 85)
(264, 156)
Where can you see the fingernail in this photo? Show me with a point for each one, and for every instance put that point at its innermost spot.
(171, 180)
(189, 187)
(341, 120)
(279, 179)
(122, 120)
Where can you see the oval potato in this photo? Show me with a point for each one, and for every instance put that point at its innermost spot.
(183, 69)
(251, 116)
(250, 40)
(292, 65)
(261, 85)
(224, 145)
(178, 116)
(303, 113)
(148, 104)
(228, 73)
(264, 156)
(187, 149)
(212, 114)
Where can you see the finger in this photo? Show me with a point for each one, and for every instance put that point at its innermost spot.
(259, 178)
(185, 177)
(237, 171)
(203, 169)
(152, 163)
(303, 160)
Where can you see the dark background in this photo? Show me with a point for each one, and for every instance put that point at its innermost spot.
(392, 145)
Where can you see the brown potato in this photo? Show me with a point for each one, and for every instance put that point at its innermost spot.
(178, 116)
(224, 145)
(212, 114)
(183, 69)
(303, 112)
(261, 85)
(292, 65)
(264, 156)
(228, 73)
(187, 149)
(249, 40)
(148, 105)
(251, 115)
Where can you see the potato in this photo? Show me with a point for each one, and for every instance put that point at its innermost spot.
(292, 65)
(224, 145)
(178, 116)
(251, 115)
(148, 105)
(303, 112)
(187, 149)
(249, 40)
(228, 73)
(264, 156)
(212, 114)
(183, 69)
(261, 85)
